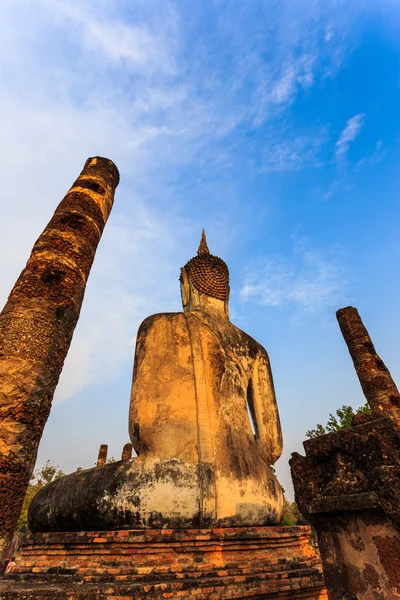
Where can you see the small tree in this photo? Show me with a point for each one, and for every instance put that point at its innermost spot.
(342, 420)
(40, 478)
(292, 516)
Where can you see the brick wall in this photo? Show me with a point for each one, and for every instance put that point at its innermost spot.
(264, 562)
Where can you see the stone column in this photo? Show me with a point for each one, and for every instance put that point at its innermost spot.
(102, 457)
(348, 483)
(127, 451)
(37, 324)
(377, 384)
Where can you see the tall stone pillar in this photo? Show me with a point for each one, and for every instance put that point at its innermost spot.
(37, 324)
(348, 483)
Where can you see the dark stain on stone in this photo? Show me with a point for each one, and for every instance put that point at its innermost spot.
(389, 554)
(371, 577)
(92, 185)
(357, 544)
(53, 276)
(86, 205)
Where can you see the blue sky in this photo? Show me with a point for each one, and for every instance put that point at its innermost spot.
(273, 125)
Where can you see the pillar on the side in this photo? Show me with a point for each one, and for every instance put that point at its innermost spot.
(348, 483)
(102, 456)
(37, 324)
(127, 451)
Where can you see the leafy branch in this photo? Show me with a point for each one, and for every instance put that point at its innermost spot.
(342, 420)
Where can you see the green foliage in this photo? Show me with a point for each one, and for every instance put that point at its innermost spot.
(292, 516)
(40, 478)
(47, 474)
(342, 420)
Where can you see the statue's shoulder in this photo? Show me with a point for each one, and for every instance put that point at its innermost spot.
(241, 337)
(160, 320)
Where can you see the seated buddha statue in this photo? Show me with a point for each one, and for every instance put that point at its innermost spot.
(199, 463)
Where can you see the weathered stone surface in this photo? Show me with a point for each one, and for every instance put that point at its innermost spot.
(199, 462)
(264, 562)
(361, 554)
(102, 456)
(350, 462)
(121, 495)
(127, 451)
(36, 327)
(212, 370)
(348, 484)
(377, 384)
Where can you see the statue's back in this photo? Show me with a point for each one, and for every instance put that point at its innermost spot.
(196, 379)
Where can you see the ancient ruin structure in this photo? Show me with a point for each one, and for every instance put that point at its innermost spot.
(127, 451)
(194, 512)
(198, 463)
(102, 456)
(36, 327)
(348, 484)
(274, 563)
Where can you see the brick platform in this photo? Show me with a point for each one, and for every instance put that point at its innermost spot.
(264, 562)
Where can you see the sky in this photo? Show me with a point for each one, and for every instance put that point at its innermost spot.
(272, 124)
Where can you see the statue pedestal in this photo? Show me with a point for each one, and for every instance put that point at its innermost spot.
(264, 562)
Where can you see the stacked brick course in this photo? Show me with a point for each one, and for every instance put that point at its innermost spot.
(264, 562)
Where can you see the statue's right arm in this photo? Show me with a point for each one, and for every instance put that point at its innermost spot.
(264, 409)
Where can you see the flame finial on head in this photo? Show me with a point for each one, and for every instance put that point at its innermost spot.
(203, 248)
(208, 274)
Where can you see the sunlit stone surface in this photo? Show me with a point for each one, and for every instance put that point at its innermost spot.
(37, 324)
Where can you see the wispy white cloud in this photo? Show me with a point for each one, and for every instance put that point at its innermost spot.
(374, 158)
(74, 113)
(307, 281)
(349, 134)
(299, 73)
(344, 170)
(125, 80)
(103, 30)
(285, 88)
(133, 255)
(302, 151)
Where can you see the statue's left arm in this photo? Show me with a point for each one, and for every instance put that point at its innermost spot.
(264, 409)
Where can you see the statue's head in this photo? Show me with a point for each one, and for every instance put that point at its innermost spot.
(205, 282)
